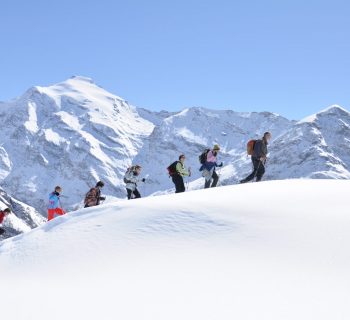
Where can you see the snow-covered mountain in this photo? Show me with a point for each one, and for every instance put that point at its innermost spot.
(70, 134)
(208, 254)
(316, 147)
(75, 133)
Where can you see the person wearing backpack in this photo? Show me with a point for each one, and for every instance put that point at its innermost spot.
(209, 162)
(131, 178)
(178, 171)
(93, 197)
(3, 214)
(258, 150)
(54, 206)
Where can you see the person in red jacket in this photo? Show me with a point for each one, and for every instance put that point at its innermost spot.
(3, 214)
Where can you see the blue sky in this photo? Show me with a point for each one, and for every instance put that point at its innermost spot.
(289, 57)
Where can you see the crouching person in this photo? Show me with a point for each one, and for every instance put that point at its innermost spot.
(93, 197)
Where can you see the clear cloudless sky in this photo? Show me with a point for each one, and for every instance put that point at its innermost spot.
(286, 56)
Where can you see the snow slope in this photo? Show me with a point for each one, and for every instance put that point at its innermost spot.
(271, 250)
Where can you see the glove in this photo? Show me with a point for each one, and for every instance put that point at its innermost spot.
(221, 164)
(143, 180)
(102, 198)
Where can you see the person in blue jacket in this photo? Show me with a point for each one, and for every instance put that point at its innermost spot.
(54, 206)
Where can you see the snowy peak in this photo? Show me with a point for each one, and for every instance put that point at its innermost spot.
(333, 110)
(84, 91)
(71, 134)
(316, 147)
(82, 79)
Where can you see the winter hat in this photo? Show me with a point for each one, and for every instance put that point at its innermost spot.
(216, 147)
(7, 210)
(100, 184)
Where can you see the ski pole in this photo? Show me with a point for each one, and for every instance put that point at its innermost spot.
(144, 184)
(219, 174)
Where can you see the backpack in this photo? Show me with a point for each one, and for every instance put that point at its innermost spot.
(172, 168)
(250, 147)
(91, 197)
(203, 157)
(127, 174)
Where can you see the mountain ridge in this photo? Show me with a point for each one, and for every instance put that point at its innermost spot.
(74, 133)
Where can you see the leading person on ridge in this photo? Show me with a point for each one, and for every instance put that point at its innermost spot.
(259, 157)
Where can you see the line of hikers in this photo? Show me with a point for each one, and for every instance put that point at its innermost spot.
(257, 149)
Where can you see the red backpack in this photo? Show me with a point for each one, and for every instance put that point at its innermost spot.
(250, 147)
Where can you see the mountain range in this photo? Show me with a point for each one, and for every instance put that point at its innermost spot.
(75, 133)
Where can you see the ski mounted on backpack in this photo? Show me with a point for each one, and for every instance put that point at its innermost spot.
(203, 157)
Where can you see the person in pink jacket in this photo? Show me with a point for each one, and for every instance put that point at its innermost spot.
(208, 168)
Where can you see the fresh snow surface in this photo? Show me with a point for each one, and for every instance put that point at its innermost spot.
(270, 250)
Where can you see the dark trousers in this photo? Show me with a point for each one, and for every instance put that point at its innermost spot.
(214, 178)
(258, 171)
(179, 183)
(2, 231)
(133, 194)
